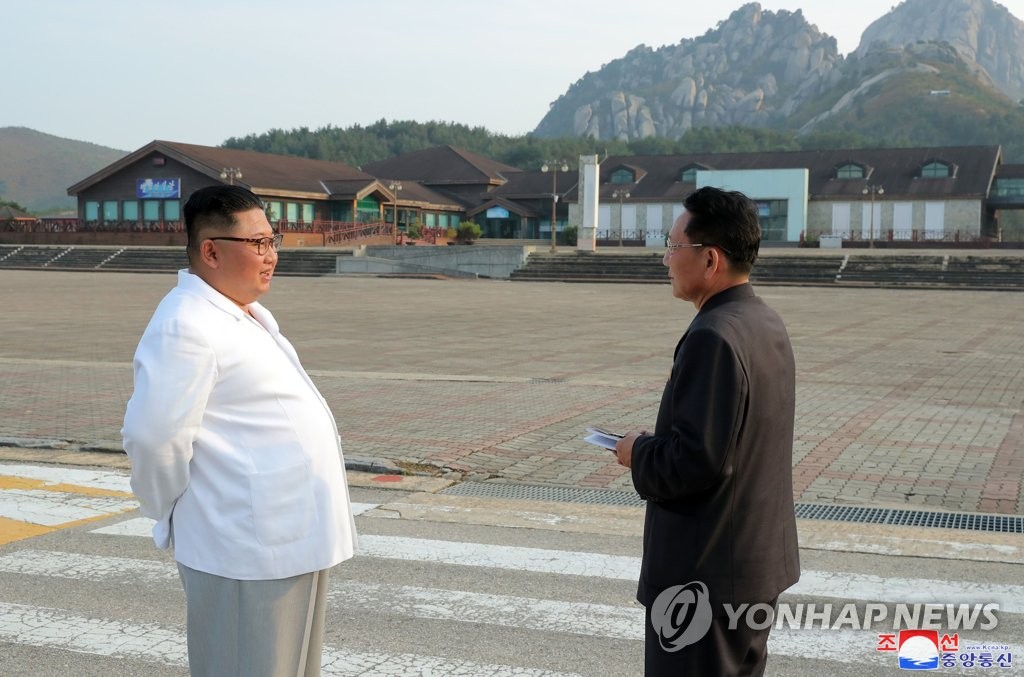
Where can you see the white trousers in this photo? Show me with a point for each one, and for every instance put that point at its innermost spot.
(254, 628)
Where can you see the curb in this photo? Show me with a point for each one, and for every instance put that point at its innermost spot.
(110, 453)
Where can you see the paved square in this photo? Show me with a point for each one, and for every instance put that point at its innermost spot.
(905, 398)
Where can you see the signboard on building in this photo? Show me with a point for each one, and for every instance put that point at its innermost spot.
(497, 213)
(162, 189)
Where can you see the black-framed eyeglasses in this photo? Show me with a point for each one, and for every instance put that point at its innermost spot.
(672, 246)
(261, 243)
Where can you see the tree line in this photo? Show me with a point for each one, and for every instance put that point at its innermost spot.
(360, 145)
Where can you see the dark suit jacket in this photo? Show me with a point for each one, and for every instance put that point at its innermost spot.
(717, 472)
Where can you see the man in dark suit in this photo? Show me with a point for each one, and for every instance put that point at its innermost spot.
(717, 471)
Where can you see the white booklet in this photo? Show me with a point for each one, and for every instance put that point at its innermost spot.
(601, 437)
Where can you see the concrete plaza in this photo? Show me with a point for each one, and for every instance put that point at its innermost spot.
(905, 397)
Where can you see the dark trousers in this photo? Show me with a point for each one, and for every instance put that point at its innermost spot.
(722, 652)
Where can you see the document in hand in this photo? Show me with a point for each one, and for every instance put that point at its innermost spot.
(602, 438)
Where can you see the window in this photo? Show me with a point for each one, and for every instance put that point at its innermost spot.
(273, 212)
(307, 212)
(109, 211)
(935, 170)
(172, 210)
(368, 210)
(934, 220)
(773, 216)
(622, 176)
(151, 210)
(689, 175)
(841, 219)
(430, 220)
(903, 216)
(850, 171)
(92, 211)
(1008, 188)
(292, 211)
(130, 210)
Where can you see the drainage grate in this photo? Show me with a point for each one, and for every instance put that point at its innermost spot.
(1005, 524)
(541, 493)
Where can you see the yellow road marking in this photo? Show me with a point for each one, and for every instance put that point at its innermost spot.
(11, 482)
(13, 530)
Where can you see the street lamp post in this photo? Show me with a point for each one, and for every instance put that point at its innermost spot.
(554, 168)
(394, 187)
(231, 174)
(873, 189)
(620, 194)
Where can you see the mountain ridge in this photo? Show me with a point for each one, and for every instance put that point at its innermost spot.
(36, 168)
(760, 68)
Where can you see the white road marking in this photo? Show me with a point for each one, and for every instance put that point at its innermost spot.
(137, 526)
(581, 618)
(841, 586)
(143, 526)
(53, 628)
(500, 557)
(53, 508)
(81, 567)
(95, 479)
(599, 620)
(853, 586)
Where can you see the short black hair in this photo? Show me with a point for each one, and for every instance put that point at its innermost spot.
(728, 220)
(214, 208)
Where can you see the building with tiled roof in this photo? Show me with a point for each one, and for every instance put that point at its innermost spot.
(895, 194)
(146, 189)
(891, 193)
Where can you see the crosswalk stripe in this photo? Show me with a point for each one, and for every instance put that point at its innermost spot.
(845, 586)
(82, 567)
(52, 628)
(512, 557)
(96, 479)
(839, 585)
(143, 526)
(853, 586)
(53, 508)
(581, 618)
(599, 620)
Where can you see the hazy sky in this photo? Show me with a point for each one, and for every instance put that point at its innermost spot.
(121, 73)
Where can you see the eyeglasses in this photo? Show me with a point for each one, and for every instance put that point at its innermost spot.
(261, 243)
(684, 245)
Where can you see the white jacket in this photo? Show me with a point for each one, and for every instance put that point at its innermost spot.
(234, 452)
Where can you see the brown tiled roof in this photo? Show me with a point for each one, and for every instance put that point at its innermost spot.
(896, 169)
(354, 189)
(537, 184)
(414, 193)
(513, 207)
(443, 165)
(262, 172)
(1010, 172)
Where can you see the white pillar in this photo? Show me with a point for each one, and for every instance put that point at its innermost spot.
(586, 238)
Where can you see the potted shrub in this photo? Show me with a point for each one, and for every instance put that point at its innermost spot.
(468, 232)
(414, 231)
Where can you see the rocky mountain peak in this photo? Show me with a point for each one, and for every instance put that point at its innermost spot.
(760, 68)
(751, 68)
(982, 31)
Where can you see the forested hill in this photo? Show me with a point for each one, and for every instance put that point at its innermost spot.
(36, 168)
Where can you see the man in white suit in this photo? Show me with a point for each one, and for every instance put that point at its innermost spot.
(235, 453)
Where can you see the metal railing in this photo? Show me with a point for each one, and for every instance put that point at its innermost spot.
(905, 235)
(348, 232)
(627, 238)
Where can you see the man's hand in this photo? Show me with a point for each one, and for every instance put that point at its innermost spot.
(624, 447)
